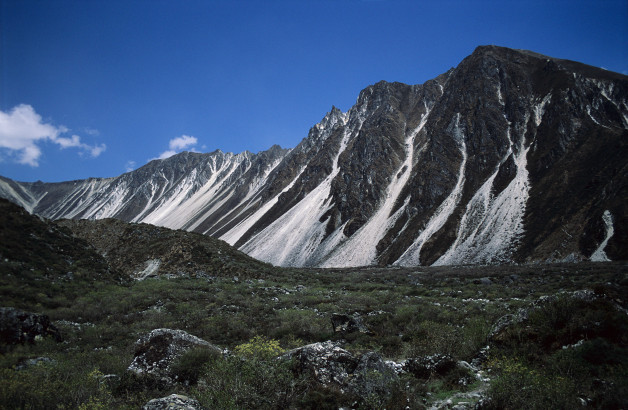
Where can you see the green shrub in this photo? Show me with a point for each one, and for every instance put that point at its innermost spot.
(259, 348)
(257, 382)
(189, 366)
(520, 386)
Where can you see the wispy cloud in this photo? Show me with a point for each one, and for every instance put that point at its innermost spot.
(177, 145)
(22, 130)
(182, 142)
(130, 166)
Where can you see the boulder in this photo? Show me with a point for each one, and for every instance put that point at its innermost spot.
(347, 324)
(326, 362)
(173, 402)
(372, 376)
(19, 327)
(427, 366)
(332, 366)
(156, 352)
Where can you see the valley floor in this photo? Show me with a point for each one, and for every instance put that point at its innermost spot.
(557, 337)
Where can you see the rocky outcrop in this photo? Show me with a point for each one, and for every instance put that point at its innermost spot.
(156, 352)
(173, 402)
(326, 362)
(332, 366)
(19, 327)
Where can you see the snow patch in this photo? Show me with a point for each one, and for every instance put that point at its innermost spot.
(599, 255)
(539, 109)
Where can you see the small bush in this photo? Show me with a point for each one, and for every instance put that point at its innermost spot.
(189, 366)
(520, 386)
(234, 382)
(259, 348)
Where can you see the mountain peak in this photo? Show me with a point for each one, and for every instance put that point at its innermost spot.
(512, 156)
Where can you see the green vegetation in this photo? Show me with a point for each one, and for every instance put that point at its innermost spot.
(568, 350)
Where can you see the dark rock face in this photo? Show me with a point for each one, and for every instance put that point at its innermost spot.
(19, 327)
(173, 402)
(511, 156)
(156, 351)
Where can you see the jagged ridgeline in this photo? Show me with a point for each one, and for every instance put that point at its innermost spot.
(510, 157)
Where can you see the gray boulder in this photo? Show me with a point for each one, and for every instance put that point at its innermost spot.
(373, 376)
(19, 327)
(326, 362)
(332, 366)
(173, 402)
(156, 352)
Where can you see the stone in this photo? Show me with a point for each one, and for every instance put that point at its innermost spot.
(25, 364)
(342, 323)
(326, 362)
(156, 351)
(427, 366)
(19, 327)
(332, 366)
(373, 376)
(173, 402)
(483, 281)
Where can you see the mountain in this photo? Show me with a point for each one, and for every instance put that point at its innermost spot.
(511, 156)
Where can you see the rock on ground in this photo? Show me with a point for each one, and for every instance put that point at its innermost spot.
(331, 365)
(173, 402)
(156, 351)
(19, 327)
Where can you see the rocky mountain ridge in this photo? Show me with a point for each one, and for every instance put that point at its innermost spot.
(509, 157)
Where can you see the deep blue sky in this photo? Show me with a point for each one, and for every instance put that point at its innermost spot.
(131, 78)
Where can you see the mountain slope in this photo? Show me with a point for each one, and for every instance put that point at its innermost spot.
(511, 156)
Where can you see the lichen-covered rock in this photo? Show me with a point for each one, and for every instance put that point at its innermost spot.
(173, 402)
(327, 362)
(19, 327)
(156, 351)
(427, 366)
(373, 376)
(332, 366)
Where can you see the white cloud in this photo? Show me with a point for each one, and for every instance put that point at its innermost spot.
(182, 142)
(130, 166)
(177, 145)
(96, 150)
(166, 154)
(22, 129)
(74, 141)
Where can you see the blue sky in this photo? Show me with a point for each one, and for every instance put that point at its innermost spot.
(95, 88)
